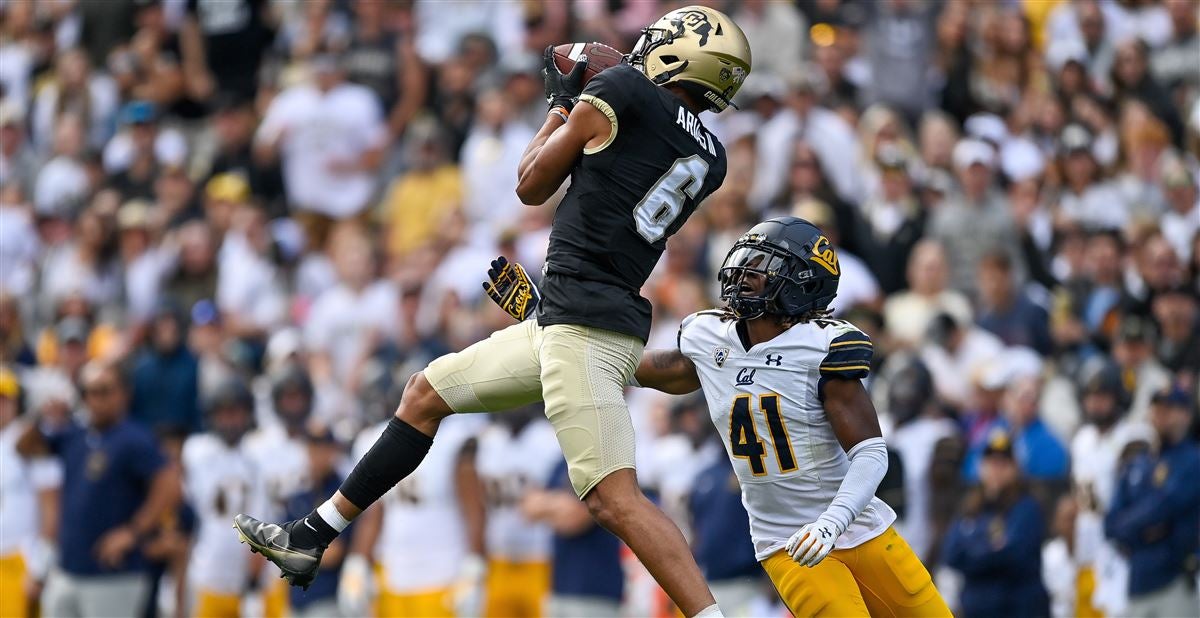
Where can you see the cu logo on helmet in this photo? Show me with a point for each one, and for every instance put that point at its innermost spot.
(697, 21)
(824, 255)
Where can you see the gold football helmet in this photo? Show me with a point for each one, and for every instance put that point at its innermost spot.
(700, 49)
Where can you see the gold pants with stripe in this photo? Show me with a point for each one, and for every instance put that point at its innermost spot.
(880, 578)
(435, 603)
(13, 601)
(516, 589)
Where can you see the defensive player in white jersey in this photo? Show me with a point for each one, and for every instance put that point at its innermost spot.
(220, 477)
(419, 531)
(280, 453)
(518, 452)
(783, 385)
(28, 487)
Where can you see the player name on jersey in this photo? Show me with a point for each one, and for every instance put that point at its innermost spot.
(688, 122)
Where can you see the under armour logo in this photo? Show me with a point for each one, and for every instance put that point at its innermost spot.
(745, 376)
(775, 359)
(825, 533)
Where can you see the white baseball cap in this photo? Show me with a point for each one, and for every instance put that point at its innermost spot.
(970, 152)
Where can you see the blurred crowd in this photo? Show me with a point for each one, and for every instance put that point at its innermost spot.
(230, 230)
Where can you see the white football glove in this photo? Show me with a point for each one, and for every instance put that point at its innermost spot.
(252, 603)
(468, 589)
(355, 586)
(812, 542)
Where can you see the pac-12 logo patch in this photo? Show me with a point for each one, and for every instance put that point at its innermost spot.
(719, 356)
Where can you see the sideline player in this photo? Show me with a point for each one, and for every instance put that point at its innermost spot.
(421, 537)
(640, 162)
(219, 477)
(517, 454)
(783, 385)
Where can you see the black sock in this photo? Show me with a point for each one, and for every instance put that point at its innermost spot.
(311, 531)
(394, 456)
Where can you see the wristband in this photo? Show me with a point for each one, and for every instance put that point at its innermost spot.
(561, 112)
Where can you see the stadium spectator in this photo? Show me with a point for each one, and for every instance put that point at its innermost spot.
(74, 91)
(770, 27)
(493, 149)
(14, 347)
(384, 59)
(974, 219)
(116, 486)
(222, 45)
(1177, 313)
(165, 375)
(1006, 310)
(1038, 453)
(18, 163)
(996, 543)
(1181, 221)
(908, 314)
(893, 220)
(328, 134)
(1155, 514)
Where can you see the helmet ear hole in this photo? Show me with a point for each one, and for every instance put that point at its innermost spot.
(670, 59)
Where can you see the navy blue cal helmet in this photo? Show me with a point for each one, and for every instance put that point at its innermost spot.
(798, 263)
(230, 410)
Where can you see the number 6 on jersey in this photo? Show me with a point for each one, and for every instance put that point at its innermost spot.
(664, 201)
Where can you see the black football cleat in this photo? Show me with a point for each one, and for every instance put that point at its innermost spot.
(273, 541)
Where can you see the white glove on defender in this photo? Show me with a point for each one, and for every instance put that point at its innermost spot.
(355, 586)
(814, 541)
(468, 589)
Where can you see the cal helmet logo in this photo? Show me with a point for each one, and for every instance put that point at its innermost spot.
(719, 356)
(823, 254)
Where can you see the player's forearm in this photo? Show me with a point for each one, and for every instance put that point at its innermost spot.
(367, 527)
(533, 181)
(164, 495)
(668, 371)
(868, 464)
(468, 489)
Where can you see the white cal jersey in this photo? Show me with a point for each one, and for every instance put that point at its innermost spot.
(20, 480)
(423, 538)
(509, 466)
(766, 405)
(219, 481)
(283, 466)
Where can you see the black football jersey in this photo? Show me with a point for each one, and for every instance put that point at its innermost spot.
(626, 198)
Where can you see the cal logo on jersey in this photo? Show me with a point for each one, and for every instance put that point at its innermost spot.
(824, 255)
(719, 356)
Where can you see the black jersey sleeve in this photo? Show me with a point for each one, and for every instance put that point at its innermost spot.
(849, 357)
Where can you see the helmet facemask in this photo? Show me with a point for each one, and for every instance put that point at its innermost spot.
(765, 260)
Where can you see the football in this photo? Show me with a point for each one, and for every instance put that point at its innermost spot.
(599, 57)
